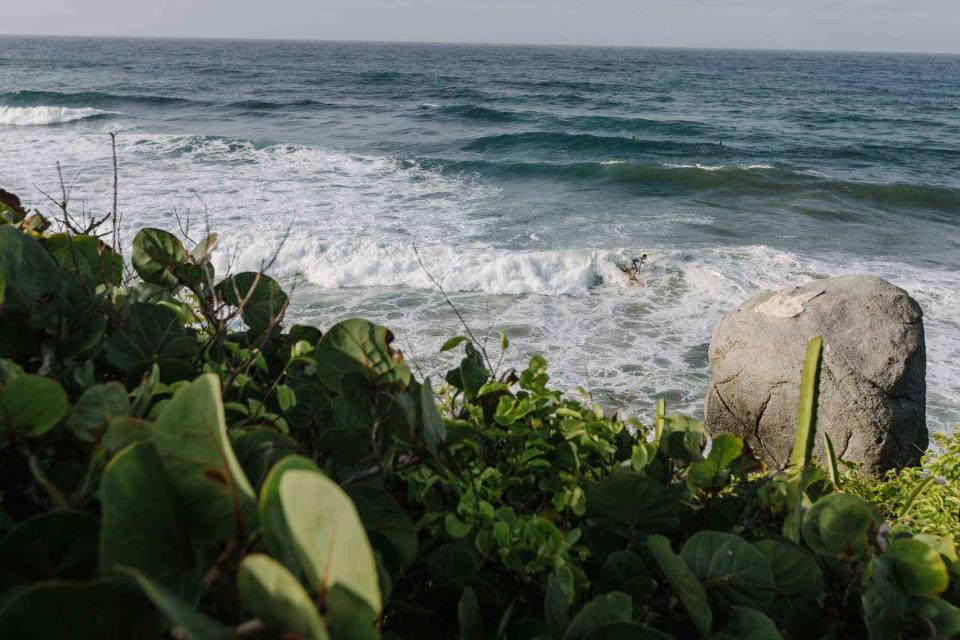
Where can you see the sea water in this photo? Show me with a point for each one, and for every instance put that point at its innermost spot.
(522, 176)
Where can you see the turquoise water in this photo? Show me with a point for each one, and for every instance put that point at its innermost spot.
(523, 174)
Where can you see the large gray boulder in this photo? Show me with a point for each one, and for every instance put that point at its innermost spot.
(872, 400)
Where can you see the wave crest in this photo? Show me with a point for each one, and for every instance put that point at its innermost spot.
(39, 116)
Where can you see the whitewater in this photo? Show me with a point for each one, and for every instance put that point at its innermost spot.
(519, 190)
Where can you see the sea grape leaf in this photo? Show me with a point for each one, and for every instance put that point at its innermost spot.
(602, 611)
(87, 257)
(152, 334)
(259, 449)
(156, 255)
(274, 595)
(57, 545)
(944, 617)
(712, 473)
(731, 567)
(840, 525)
(96, 408)
(884, 603)
(348, 616)
(33, 279)
(919, 567)
(683, 438)
(625, 571)
(102, 610)
(191, 439)
(273, 523)
(143, 526)
(356, 346)
(263, 299)
(797, 578)
(328, 536)
(194, 624)
(386, 522)
(122, 431)
(31, 405)
(684, 582)
(628, 501)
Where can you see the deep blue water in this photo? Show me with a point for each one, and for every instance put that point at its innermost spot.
(523, 174)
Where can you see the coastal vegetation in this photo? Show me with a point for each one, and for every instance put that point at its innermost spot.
(178, 461)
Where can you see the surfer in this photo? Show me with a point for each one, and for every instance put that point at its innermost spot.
(636, 264)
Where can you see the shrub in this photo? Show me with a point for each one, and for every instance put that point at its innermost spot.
(177, 463)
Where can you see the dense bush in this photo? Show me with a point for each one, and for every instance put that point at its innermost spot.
(177, 463)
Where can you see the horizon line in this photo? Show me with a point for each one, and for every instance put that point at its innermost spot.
(482, 44)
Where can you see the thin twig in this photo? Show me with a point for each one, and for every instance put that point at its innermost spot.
(449, 302)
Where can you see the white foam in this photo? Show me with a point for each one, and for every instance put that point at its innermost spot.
(355, 219)
(38, 116)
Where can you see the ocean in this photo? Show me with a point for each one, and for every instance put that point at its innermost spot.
(522, 175)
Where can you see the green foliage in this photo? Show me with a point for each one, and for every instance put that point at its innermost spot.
(178, 460)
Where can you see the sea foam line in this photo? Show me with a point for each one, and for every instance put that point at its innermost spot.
(40, 116)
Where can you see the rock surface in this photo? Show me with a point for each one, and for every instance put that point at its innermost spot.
(872, 399)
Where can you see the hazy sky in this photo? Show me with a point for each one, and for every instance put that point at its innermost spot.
(874, 25)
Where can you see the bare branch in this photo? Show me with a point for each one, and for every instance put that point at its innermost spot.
(449, 302)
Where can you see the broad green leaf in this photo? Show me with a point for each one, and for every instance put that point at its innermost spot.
(143, 526)
(713, 472)
(469, 616)
(682, 438)
(156, 256)
(919, 567)
(356, 346)
(625, 571)
(87, 257)
(840, 525)
(628, 501)
(797, 579)
(271, 593)
(348, 616)
(123, 431)
(328, 535)
(390, 529)
(103, 610)
(152, 334)
(273, 523)
(33, 297)
(191, 439)
(944, 617)
(96, 408)
(262, 298)
(602, 611)
(31, 405)
(182, 615)
(730, 566)
(684, 582)
(884, 604)
(259, 449)
(57, 545)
